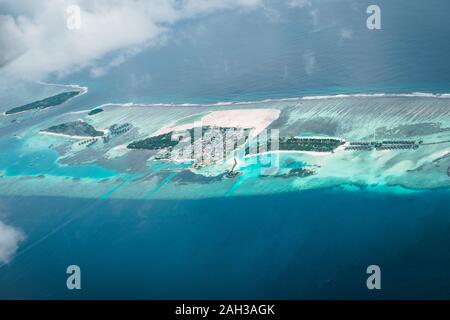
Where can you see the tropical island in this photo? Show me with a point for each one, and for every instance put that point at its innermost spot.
(95, 111)
(297, 144)
(45, 103)
(171, 139)
(74, 129)
(313, 144)
(154, 143)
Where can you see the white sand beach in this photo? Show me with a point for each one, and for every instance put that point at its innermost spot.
(257, 119)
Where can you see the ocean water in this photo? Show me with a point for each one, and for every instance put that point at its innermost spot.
(19, 161)
(283, 52)
(281, 246)
(309, 244)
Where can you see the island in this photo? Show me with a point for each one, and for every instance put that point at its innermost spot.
(95, 111)
(315, 144)
(296, 144)
(45, 103)
(154, 143)
(171, 139)
(74, 129)
(180, 152)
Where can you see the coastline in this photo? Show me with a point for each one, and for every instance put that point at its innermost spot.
(289, 99)
(80, 89)
(339, 169)
(311, 153)
(67, 135)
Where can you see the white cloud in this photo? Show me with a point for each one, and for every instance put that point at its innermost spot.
(35, 41)
(9, 242)
(310, 63)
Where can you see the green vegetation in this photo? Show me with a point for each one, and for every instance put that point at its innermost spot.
(95, 111)
(165, 140)
(285, 143)
(300, 144)
(154, 143)
(45, 103)
(75, 128)
(310, 144)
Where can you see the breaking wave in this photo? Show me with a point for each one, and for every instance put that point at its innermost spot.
(296, 99)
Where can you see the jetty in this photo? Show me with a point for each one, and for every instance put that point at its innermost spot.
(383, 145)
(231, 173)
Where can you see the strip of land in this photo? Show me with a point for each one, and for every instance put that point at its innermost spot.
(74, 129)
(45, 103)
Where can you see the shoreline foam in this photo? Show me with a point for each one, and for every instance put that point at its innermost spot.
(291, 99)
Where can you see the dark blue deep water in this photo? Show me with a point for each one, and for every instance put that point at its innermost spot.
(283, 52)
(312, 244)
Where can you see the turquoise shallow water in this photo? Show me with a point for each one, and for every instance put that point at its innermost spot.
(16, 160)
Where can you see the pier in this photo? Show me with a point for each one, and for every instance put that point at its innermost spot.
(232, 174)
(383, 145)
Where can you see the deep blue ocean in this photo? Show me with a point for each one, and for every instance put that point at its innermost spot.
(283, 52)
(310, 244)
(281, 246)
